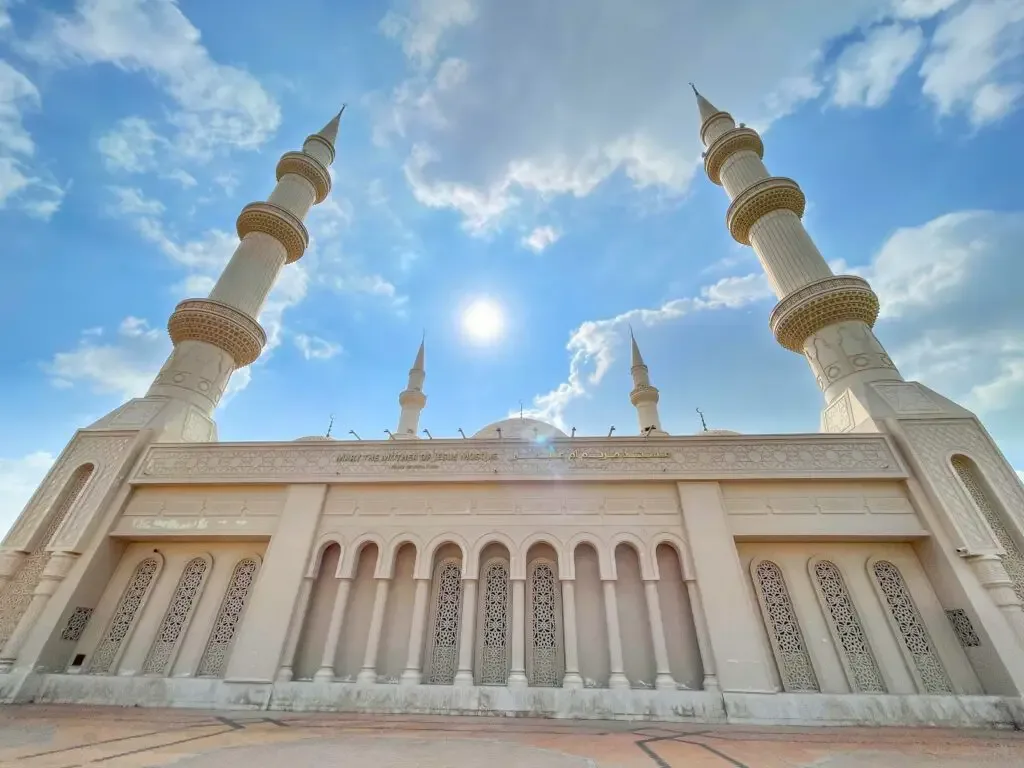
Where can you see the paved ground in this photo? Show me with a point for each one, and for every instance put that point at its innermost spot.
(69, 737)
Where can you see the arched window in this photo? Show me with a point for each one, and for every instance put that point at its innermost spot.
(544, 663)
(17, 594)
(847, 632)
(443, 654)
(787, 641)
(124, 617)
(494, 625)
(1013, 560)
(215, 657)
(184, 599)
(910, 627)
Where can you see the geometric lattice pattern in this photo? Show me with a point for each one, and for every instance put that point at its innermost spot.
(444, 637)
(964, 629)
(178, 611)
(215, 658)
(1013, 560)
(77, 622)
(124, 617)
(17, 593)
(791, 655)
(494, 662)
(911, 627)
(847, 629)
(544, 668)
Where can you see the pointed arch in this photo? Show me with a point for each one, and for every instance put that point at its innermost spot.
(387, 564)
(600, 547)
(473, 565)
(322, 545)
(348, 563)
(426, 563)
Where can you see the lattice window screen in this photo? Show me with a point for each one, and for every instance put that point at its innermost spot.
(847, 631)
(494, 625)
(17, 594)
(124, 617)
(215, 657)
(443, 655)
(544, 662)
(911, 628)
(787, 641)
(184, 599)
(1013, 560)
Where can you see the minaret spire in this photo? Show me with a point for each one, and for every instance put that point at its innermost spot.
(644, 397)
(707, 109)
(412, 398)
(825, 317)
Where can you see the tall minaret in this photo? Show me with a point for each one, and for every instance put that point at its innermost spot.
(826, 317)
(644, 397)
(412, 400)
(215, 336)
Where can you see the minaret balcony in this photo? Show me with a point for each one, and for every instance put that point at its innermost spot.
(643, 393)
(309, 168)
(772, 194)
(412, 397)
(728, 144)
(275, 221)
(817, 305)
(219, 324)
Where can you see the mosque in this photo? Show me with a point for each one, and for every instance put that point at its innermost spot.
(870, 573)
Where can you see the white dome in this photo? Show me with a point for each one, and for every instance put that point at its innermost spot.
(522, 429)
(313, 439)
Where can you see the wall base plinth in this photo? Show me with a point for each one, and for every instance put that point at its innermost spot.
(585, 704)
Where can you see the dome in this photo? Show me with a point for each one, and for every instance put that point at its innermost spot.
(314, 439)
(521, 429)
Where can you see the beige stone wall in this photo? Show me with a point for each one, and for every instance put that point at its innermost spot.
(199, 511)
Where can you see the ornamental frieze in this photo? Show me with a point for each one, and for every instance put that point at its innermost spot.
(695, 458)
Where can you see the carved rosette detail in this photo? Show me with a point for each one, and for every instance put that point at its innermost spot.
(729, 144)
(759, 199)
(218, 324)
(307, 167)
(275, 221)
(820, 304)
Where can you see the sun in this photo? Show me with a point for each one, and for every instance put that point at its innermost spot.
(483, 321)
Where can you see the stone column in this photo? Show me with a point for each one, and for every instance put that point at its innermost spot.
(287, 672)
(517, 675)
(368, 674)
(572, 678)
(617, 679)
(10, 562)
(57, 567)
(700, 625)
(467, 634)
(413, 672)
(663, 681)
(326, 672)
(993, 577)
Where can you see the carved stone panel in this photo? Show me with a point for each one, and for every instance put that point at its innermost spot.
(839, 414)
(906, 397)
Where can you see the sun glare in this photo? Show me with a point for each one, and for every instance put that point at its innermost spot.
(482, 321)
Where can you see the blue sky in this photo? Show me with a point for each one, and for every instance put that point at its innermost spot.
(542, 155)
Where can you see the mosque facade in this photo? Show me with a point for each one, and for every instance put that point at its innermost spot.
(869, 573)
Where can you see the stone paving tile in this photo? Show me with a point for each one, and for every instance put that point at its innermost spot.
(108, 737)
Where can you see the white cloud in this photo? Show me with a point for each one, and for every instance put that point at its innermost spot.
(514, 103)
(131, 145)
(315, 348)
(592, 345)
(973, 61)
(921, 9)
(541, 237)
(187, 180)
(130, 200)
(19, 479)
(216, 105)
(125, 365)
(867, 71)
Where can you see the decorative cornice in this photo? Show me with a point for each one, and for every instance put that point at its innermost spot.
(643, 393)
(672, 459)
(729, 143)
(707, 123)
(760, 198)
(275, 221)
(309, 168)
(820, 304)
(219, 324)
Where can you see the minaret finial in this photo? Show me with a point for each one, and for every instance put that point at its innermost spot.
(330, 426)
(703, 423)
(637, 357)
(707, 109)
(330, 131)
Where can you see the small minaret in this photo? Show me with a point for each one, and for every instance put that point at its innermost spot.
(412, 400)
(644, 397)
(827, 318)
(217, 335)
